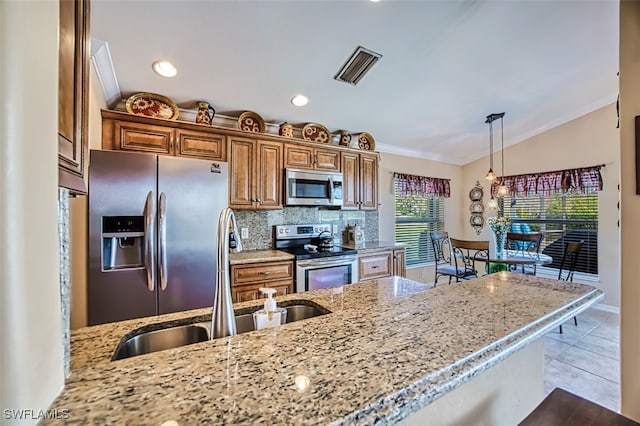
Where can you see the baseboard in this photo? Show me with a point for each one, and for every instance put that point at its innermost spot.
(607, 308)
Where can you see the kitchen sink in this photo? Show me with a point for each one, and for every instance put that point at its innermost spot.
(159, 340)
(182, 335)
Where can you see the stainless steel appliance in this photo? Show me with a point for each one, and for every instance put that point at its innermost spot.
(313, 188)
(152, 234)
(316, 267)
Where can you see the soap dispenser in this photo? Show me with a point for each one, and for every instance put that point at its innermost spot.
(271, 315)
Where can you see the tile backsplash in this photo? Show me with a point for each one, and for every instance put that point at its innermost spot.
(260, 223)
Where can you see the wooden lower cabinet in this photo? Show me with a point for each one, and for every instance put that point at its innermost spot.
(399, 264)
(375, 265)
(247, 279)
(381, 264)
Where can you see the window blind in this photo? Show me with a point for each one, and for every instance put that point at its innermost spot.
(561, 218)
(417, 217)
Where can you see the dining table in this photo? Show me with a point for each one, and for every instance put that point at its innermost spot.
(518, 257)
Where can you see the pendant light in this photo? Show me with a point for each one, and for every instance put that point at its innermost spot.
(491, 176)
(503, 191)
(492, 204)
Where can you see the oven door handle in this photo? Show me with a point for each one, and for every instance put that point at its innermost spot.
(344, 260)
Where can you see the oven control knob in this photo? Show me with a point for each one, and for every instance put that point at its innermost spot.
(286, 231)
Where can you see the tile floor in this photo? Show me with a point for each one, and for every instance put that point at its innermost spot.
(585, 359)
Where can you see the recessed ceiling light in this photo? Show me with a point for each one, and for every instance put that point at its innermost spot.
(164, 69)
(299, 100)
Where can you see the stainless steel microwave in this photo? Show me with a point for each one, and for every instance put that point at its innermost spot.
(313, 188)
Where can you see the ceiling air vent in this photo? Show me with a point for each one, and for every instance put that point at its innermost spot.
(357, 65)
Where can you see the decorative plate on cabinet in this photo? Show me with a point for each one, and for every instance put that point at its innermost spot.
(366, 142)
(249, 121)
(152, 105)
(315, 132)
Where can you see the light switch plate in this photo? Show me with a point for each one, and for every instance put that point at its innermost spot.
(244, 233)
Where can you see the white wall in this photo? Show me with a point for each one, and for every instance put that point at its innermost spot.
(31, 353)
(586, 141)
(453, 206)
(629, 108)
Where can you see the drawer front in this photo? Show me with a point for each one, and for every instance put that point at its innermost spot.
(261, 272)
(245, 293)
(143, 137)
(375, 266)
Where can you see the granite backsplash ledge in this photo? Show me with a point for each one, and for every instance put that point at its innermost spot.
(260, 223)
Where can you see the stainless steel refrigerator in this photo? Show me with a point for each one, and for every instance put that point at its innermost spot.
(152, 233)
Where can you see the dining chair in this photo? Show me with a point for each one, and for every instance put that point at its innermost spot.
(442, 251)
(466, 254)
(524, 245)
(568, 265)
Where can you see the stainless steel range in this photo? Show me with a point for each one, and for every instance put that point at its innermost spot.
(319, 263)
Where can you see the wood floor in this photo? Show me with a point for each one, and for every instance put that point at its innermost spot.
(585, 359)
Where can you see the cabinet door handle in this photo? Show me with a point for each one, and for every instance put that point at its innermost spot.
(265, 272)
(374, 267)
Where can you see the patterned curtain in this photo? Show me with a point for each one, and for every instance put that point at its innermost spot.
(583, 180)
(408, 185)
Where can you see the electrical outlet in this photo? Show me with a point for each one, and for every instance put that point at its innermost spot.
(244, 233)
(335, 229)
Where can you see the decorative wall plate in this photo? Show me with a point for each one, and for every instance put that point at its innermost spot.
(366, 142)
(249, 121)
(476, 207)
(152, 105)
(477, 221)
(476, 193)
(315, 132)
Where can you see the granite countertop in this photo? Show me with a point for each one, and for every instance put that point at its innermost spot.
(390, 347)
(373, 246)
(255, 256)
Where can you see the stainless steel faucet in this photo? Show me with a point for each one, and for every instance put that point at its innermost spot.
(223, 320)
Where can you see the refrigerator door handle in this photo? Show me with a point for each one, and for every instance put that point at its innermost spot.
(162, 240)
(149, 241)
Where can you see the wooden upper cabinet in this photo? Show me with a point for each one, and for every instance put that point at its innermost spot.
(143, 137)
(255, 174)
(307, 157)
(73, 93)
(360, 181)
(129, 132)
(350, 181)
(327, 159)
(241, 173)
(269, 175)
(368, 181)
(200, 145)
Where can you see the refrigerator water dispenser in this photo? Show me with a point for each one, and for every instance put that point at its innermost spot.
(122, 242)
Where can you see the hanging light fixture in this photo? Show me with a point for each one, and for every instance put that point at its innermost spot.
(491, 176)
(503, 191)
(492, 204)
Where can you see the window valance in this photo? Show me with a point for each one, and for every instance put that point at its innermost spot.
(583, 180)
(408, 185)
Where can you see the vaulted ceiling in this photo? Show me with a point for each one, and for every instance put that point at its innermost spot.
(445, 65)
